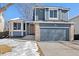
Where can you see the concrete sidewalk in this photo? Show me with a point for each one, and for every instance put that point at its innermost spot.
(64, 48)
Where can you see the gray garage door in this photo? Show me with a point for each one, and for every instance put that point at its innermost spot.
(54, 34)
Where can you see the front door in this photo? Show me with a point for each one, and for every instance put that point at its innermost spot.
(30, 29)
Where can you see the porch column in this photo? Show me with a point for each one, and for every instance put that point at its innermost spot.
(71, 33)
(26, 28)
(10, 28)
(21, 28)
(45, 14)
(37, 32)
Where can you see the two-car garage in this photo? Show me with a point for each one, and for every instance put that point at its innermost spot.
(54, 32)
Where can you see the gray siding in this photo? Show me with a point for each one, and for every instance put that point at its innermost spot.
(43, 14)
(17, 33)
(24, 33)
(54, 25)
(76, 24)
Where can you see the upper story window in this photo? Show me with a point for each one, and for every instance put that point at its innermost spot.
(40, 14)
(53, 13)
(17, 26)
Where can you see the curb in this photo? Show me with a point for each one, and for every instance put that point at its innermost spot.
(39, 49)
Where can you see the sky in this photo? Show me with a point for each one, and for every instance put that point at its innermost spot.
(12, 11)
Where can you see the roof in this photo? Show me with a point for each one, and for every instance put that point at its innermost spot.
(53, 7)
(15, 19)
(74, 17)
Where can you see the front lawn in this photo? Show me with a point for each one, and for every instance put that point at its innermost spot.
(19, 48)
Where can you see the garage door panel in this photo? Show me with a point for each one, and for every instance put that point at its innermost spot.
(60, 34)
(48, 34)
(67, 34)
(52, 34)
(44, 34)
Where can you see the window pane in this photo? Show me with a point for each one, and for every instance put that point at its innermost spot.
(51, 13)
(55, 13)
(19, 26)
(15, 26)
(40, 14)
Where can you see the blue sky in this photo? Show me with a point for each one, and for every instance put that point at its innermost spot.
(12, 11)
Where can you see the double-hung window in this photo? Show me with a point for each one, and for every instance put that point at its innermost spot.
(53, 13)
(17, 26)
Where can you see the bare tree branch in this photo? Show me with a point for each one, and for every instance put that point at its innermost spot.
(26, 9)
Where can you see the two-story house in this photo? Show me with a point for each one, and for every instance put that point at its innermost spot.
(48, 24)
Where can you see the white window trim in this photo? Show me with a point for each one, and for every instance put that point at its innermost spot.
(35, 14)
(36, 17)
(53, 18)
(16, 27)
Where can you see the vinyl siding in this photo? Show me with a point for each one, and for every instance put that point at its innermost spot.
(17, 33)
(54, 25)
(76, 24)
(43, 14)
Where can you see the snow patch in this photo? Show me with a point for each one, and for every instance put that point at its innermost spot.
(27, 48)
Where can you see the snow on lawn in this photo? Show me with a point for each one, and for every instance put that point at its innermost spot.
(20, 48)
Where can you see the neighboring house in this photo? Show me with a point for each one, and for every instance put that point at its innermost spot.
(1, 23)
(48, 24)
(76, 24)
(6, 27)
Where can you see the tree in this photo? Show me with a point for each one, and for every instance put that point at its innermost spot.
(26, 9)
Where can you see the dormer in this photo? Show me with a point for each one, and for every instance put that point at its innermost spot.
(50, 14)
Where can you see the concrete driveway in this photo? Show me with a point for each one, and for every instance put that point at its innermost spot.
(60, 48)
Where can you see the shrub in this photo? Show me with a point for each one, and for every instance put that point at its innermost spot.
(4, 34)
